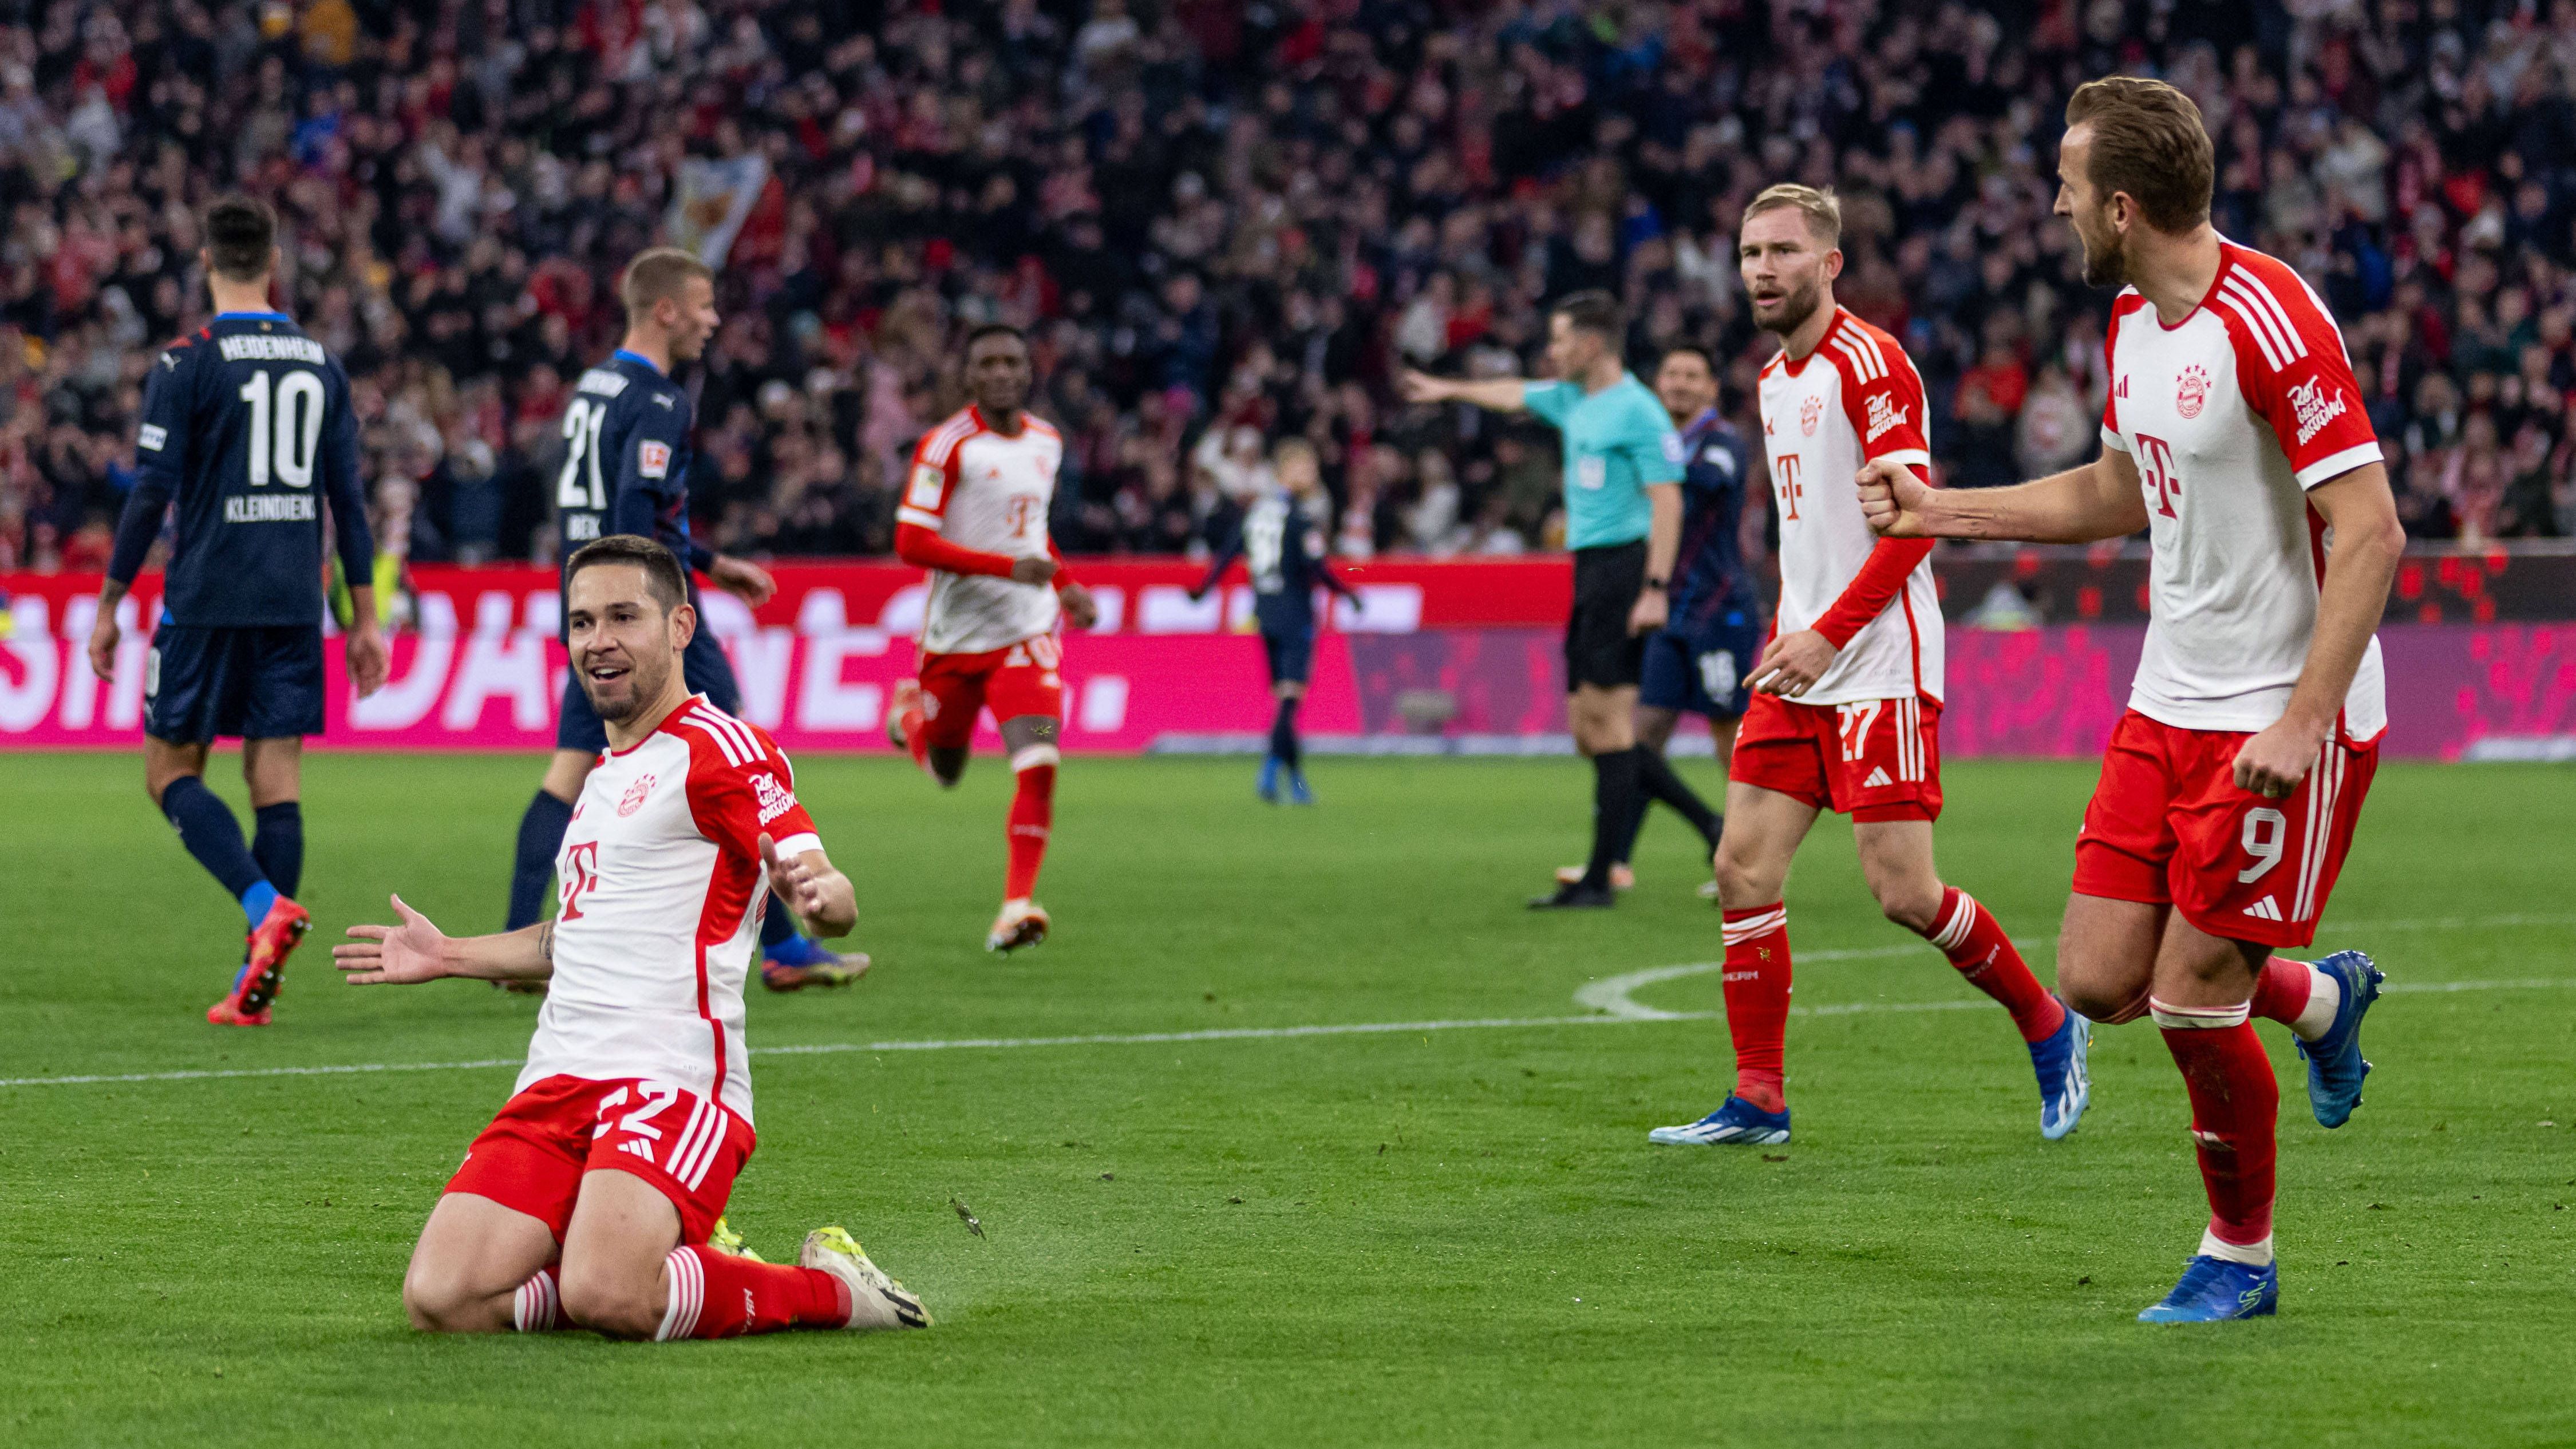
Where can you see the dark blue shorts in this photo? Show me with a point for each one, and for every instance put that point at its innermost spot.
(253, 682)
(1292, 654)
(1702, 671)
(705, 668)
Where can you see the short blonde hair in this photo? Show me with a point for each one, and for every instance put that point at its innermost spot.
(1823, 211)
(656, 273)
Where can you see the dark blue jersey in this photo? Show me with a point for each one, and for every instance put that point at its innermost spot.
(1283, 550)
(626, 460)
(1709, 577)
(247, 424)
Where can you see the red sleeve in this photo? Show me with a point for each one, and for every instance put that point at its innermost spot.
(1873, 588)
(1063, 575)
(924, 548)
(1882, 397)
(741, 786)
(2113, 384)
(2290, 365)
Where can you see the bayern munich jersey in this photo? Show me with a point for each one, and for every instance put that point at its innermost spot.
(662, 888)
(1853, 399)
(990, 492)
(2231, 415)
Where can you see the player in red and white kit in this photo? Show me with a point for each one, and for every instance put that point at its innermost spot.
(591, 1197)
(974, 513)
(2235, 435)
(1847, 703)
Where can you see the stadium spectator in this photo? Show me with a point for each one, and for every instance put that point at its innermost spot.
(1213, 215)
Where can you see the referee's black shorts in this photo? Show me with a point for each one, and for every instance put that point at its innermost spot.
(1599, 650)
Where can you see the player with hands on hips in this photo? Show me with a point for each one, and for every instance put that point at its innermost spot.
(2230, 792)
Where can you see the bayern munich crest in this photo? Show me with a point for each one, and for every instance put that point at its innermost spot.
(1810, 413)
(634, 797)
(2192, 393)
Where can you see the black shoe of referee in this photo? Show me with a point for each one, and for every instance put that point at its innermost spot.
(1575, 896)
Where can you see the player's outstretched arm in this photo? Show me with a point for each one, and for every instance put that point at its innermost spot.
(2368, 542)
(2100, 500)
(822, 898)
(418, 951)
(1501, 394)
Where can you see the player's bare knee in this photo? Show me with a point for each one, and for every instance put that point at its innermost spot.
(1743, 882)
(1908, 905)
(440, 1302)
(612, 1304)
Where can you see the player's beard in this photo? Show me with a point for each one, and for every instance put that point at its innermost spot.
(639, 685)
(2106, 262)
(1796, 308)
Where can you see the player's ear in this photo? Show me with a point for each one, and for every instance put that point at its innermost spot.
(684, 626)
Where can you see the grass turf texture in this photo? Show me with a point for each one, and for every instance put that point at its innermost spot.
(1454, 1236)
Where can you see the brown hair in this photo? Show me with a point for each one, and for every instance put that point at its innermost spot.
(1595, 312)
(656, 273)
(241, 237)
(2148, 141)
(1823, 211)
(663, 578)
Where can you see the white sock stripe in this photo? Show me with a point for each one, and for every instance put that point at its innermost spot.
(1963, 919)
(2167, 1014)
(687, 1292)
(1034, 756)
(1739, 932)
(532, 1308)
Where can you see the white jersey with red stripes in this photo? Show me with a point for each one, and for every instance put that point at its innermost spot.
(662, 887)
(991, 492)
(2231, 415)
(1855, 398)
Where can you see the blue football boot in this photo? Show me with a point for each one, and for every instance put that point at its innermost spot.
(2064, 1085)
(2335, 1065)
(1736, 1123)
(2214, 1290)
(1298, 793)
(1268, 786)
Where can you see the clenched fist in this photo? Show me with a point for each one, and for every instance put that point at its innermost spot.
(1894, 500)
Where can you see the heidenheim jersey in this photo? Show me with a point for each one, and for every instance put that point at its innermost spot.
(2231, 415)
(987, 491)
(662, 888)
(1853, 399)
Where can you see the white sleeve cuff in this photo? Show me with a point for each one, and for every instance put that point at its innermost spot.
(1910, 457)
(921, 516)
(2335, 465)
(2114, 441)
(796, 845)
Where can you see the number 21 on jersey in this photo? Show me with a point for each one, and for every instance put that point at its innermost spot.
(582, 425)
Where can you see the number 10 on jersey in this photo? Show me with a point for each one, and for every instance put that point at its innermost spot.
(285, 427)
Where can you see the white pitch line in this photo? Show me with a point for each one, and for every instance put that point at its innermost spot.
(1608, 997)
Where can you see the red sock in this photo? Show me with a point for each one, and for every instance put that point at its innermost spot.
(2235, 1114)
(717, 1295)
(538, 1305)
(1757, 1000)
(1032, 816)
(1967, 933)
(916, 736)
(2281, 990)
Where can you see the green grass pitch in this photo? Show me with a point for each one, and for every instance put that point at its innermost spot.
(1453, 1236)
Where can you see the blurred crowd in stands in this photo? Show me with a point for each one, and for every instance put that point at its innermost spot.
(1227, 221)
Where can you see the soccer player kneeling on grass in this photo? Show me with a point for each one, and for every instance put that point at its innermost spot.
(590, 1200)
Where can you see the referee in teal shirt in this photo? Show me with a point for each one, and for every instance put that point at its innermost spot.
(1623, 519)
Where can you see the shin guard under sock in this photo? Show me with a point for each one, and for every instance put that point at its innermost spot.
(1757, 1001)
(207, 828)
(1284, 745)
(717, 1295)
(1968, 934)
(1032, 818)
(2235, 1118)
(1614, 813)
(277, 844)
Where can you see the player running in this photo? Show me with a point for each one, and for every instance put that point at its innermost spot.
(1701, 657)
(1848, 704)
(974, 513)
(240, 420)
(591, 1197)
(2234, 433)
(1281, 541)
(1623, 519)
(626, 470)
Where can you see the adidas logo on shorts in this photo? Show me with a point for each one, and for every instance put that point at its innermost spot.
(2265, 909)
(1877, 778)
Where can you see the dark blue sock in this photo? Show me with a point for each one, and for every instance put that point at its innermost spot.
(541, 833)
(277, 843)
(207, 827)
(1283, 734)
(778, 939)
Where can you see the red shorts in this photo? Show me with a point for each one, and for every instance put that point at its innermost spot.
(533, 1155)
(1021, 680)
(2168, 826)
(1874, 759)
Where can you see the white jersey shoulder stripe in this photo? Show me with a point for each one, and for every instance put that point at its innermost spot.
(2270, 302)
(732, 751)
(2281, 344)
(741, 732)
(2254, 327)
(1863, 368)
(943, 443)
(1859, 336)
